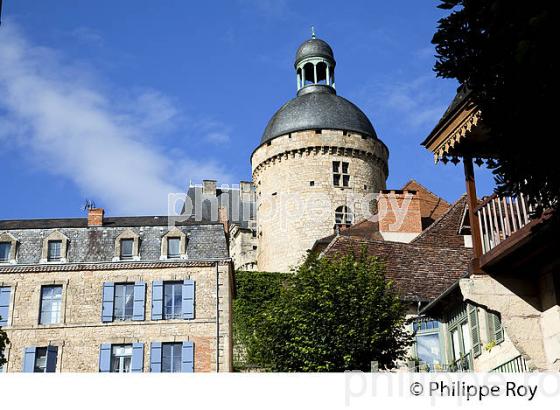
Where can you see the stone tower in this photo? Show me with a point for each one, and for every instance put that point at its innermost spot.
(318, 163)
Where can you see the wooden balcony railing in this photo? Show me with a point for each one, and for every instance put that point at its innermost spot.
(500, 217)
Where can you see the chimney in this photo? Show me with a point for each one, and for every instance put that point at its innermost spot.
(223, 218)
(95, 216)
(400, 219)
(209, 187)
(245, 191)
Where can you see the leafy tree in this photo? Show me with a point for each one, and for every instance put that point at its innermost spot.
(503, 52)
(331, 315)
(3, 343)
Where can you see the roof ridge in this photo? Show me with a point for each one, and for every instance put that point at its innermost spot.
(426, 189)
(439, 220)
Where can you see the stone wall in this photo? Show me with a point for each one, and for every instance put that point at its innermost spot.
(296, 198)
(81, 332)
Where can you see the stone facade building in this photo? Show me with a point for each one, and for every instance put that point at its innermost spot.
(124, 294)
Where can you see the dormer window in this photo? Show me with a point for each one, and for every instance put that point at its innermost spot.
(5, 250)
(8, 246)
(127, 249)
(55, 248)
(173, 248)
(174, 245)
(127, 246)
(54, 251)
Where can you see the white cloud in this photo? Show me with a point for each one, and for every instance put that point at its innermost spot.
(104, 142)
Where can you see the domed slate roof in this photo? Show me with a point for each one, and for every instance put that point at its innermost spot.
(314, 47)
(318, 107)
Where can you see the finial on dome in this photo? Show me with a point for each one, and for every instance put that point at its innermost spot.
(313, 36)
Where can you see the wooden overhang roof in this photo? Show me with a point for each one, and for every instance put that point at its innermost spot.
(460, 132)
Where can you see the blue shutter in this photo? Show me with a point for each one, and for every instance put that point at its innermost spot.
(137, 363)
(29, 359)
(4, 305)
(52, 353)
(105, 358)
(157, 300)
(188, 299)
(155, 357)
(108, 300)
(187, 357)
(138, 312)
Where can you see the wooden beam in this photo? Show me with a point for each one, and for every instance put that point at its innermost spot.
(472, 202)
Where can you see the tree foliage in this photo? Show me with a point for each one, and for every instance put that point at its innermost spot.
(503, 52)
(330, 315)
(3, 343)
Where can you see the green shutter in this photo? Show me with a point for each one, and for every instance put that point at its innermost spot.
(475, 329)
(496, 329)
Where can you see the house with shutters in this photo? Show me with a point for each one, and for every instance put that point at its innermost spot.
(115, 294)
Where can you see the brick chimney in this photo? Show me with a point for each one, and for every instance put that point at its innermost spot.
(223, 218)
(209, 187)
(400, 219)
(95, 216)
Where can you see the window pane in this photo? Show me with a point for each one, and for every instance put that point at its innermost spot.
(345, 167)
(126, 248)
(121, 356)
(124, 301)
(171, 357)
(40, 360)
(455, 342)
(5, 251)
(335, 166)
(345, 180)
(173, 300)
(336, 179)
(428, 350)
(173, 245)
(54, 248)
(51, 304)
(466, 337)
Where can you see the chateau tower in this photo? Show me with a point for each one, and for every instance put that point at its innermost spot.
(318, 162)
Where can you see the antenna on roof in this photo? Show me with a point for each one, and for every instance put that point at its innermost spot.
(89, 204)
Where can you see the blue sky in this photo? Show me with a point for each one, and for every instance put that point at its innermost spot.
(124, 101)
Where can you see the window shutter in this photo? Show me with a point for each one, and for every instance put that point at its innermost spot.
(52, 353)
(137, 363)
(475, 333)
(188, 299)
(4, 305)
(496, 330)
(29, 359)
(155, 357)
(105, 358)
(138, 312)
(187, 357)
(157, 300)
(108, 299)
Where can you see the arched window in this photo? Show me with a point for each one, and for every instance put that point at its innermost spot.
(343, 217)
(309, 74)
(321, 73)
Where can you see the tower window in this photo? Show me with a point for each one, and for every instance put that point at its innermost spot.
(318, 131)
(341, 176)
(311, 183)
(343, 217)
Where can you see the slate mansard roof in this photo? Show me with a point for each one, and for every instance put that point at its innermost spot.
(97, 244)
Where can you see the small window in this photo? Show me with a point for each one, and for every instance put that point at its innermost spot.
(121, 358)
(127, 246)
(318, 131)
(254, 247)
(5, 248)
(124, 301)
(171, 356)
(51, 305)
(173, 248)
(341, 176)
(311, 183)
(173, 300)
(343, 217)
(54, 251)
(40, 360)
(269, 143)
